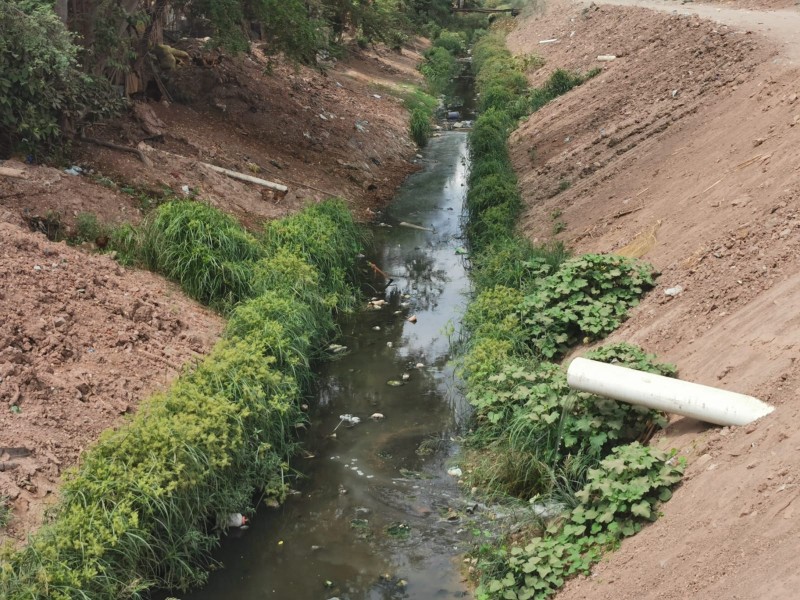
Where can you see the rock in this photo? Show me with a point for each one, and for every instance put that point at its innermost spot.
(376, 416)
(455, 472)
(758, 141)
(412, 319)
(673, 291)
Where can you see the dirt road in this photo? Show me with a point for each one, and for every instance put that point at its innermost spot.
(685, 147)
(782, 26)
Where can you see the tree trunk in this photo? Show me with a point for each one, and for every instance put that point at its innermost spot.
(62, 10)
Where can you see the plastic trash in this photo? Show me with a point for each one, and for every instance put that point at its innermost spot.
(237, 520)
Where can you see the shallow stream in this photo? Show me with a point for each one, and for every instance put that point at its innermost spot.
(377, 515)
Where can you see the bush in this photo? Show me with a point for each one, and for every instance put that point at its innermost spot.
(43, 93)
(454, 42)
(586, 299)
(439, 69)
(420, 127)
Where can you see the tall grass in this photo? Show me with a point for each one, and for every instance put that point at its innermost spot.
(145, 506)
(420, 127)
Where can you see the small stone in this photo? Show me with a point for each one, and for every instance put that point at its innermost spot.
(758, 141)
(673, 291)
(376, 328)
(412, 319)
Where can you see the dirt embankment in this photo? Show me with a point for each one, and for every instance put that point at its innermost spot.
(83, 341)
(685, 149)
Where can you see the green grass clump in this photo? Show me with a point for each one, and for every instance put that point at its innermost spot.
(420, 127)
(5, 512)
(326, 236)
(145, 506)
(205, 250)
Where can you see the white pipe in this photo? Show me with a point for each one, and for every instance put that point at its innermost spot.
(700, 402)
(249, 178)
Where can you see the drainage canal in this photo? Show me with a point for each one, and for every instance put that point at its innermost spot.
(377, 515)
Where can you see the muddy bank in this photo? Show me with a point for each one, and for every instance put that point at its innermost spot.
(702, 184)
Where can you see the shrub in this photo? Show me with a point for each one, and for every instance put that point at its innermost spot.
(439, 68)
(43, 93)
(455, 42)
(621, 495)
(587, 298)
(420, 127)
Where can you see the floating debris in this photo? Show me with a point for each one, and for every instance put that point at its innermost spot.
(394, 383)
(406, 377)
(399, 530)
(413, 226)
(237, 520)
(455, 472)
(337, 348)
(376, 416)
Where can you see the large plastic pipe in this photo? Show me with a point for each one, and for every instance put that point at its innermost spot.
(700, 402)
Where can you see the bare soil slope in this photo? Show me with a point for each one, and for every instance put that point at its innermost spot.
(82, 341)
(704, 183)
(343, 132)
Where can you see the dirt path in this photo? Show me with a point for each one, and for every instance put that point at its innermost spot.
(782, 26)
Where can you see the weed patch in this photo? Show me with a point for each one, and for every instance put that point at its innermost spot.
(533, 437)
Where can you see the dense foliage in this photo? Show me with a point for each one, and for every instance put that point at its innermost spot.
(573, 455)
(43, 91)
(145, 507)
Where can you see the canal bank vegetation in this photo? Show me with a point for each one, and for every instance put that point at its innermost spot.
(145, 507)
(578, 459)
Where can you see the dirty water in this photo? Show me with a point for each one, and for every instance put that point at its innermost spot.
(377, 516)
